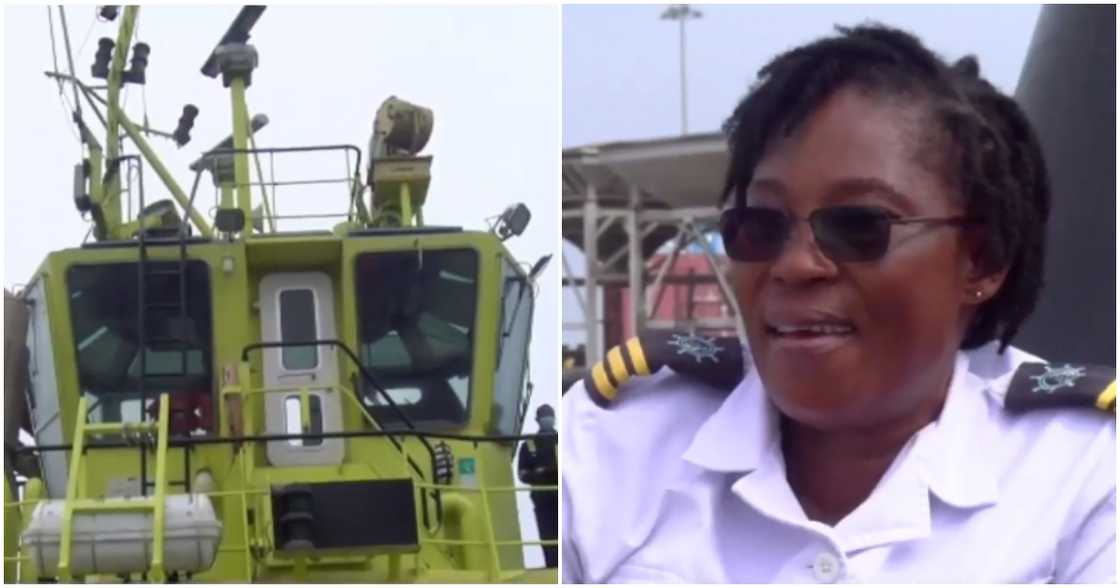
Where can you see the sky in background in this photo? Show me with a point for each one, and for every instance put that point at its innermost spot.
(621, 66)
(622, 70)
(489, 73)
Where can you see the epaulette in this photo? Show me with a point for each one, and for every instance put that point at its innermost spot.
(1042, 385)
(717, 361)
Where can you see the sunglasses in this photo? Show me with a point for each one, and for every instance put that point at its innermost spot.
(843, 233)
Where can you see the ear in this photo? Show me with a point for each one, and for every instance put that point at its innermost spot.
(981, 281)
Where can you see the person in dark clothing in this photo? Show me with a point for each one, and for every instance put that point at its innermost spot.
(536, 466)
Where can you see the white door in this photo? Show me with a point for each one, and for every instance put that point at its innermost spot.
(300, 307)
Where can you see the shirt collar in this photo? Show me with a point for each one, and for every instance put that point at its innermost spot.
(735, 436)
(953, 451)
(950, 453)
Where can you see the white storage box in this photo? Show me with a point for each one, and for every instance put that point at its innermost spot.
(121, 542)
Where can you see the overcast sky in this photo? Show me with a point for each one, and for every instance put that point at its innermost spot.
(489, 73)
(621, 64)
(622, 70)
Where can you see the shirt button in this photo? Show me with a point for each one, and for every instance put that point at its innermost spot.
(826, 568)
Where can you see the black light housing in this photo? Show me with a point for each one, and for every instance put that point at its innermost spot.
(139, 64)
(100, 67)
(238, 32)
(182, 134)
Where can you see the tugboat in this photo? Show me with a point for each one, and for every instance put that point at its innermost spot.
(216, 399)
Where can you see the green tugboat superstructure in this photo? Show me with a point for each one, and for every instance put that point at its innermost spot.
(214, 399)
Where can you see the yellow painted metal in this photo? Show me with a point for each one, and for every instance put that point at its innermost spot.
(226, 194)
(72, 488)
(240, 142)
(495, 564)
(268, 216)
(96, 157)
(159, 515)
(125, 428)
(168, 180)
(12, 523)
(111, 198)
(77, 500)
(406, 205)
(479, 548)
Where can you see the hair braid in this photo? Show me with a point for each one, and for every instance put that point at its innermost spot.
(994, 156)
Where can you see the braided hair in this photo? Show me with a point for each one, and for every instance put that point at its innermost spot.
(987, 146)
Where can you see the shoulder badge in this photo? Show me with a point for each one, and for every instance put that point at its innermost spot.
(717, 361)
(1044, 385)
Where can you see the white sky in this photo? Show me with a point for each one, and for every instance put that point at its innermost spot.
(489, 73)
(621, 65)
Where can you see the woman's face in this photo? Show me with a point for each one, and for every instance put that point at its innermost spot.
(906, 311)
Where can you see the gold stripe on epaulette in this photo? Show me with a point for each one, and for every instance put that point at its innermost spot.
(602, 382)
(618, 367)
(1107, 398)
(634, 346)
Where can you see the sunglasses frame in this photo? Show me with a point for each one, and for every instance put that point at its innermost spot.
(731, 219)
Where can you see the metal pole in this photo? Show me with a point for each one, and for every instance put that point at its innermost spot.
(657, 289)
(684, 98)
(69, 59)
(111, 205)
(591, 252)
(681, 13)
(571, 274)
(724, 286)
(161, 171)
(241, 158)
(637, 263)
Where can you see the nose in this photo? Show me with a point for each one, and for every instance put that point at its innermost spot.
(801, 259)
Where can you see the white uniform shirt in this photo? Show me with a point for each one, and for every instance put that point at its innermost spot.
(679, 482)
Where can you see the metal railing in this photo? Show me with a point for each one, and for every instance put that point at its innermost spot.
(356, 208)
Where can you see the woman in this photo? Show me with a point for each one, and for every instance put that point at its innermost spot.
(885, 214)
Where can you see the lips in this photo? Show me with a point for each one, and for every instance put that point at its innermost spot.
(809, 330)
(807, 321)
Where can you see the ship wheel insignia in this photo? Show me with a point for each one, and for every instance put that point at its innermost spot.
(1057, 377)
(700, 348)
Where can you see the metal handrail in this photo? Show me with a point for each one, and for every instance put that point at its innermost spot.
(361, 368)
(231, 390)
(492, 541)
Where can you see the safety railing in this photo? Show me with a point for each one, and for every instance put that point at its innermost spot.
(491, 542)
(249, 425)
(251, 547)
(352, 181)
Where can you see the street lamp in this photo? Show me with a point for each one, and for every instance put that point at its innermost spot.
(682, 13)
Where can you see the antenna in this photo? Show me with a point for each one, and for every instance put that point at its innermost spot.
(238, 32)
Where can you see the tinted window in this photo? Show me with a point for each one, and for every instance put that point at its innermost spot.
(297, 323)
(104, 310)
(416, 316)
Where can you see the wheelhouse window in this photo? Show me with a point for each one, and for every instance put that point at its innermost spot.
(105, 315)
(416, 312)
(513, 351)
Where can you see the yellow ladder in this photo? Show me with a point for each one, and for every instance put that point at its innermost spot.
(77, 500)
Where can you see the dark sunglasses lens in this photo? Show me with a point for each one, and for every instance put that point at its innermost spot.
(753, 234)
(851, 233)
